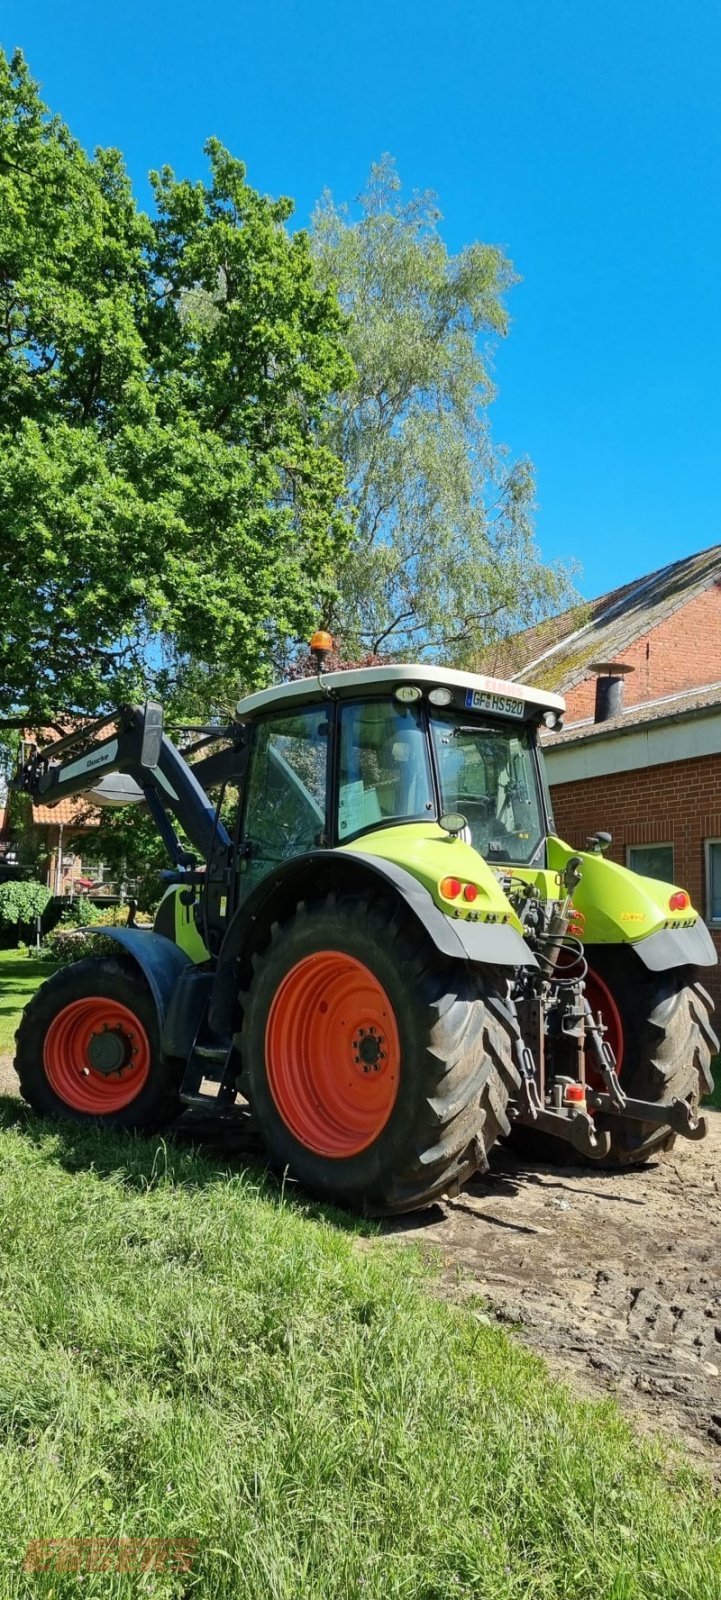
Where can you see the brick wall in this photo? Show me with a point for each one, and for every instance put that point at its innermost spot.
(683, 652)
(680, 805)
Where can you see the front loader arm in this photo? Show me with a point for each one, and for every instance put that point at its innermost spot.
(136, 746)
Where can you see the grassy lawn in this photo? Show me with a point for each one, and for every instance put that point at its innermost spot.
(19, 978)
(185, 1352)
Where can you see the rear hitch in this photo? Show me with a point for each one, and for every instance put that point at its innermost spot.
(678, 1115)
(605, 1058)
(578, 1130)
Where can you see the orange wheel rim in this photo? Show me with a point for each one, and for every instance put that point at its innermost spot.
(600, 999)
(96, 1055)
(333, 1054)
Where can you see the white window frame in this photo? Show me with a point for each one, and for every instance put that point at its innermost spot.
(657, 844)
(713, 922)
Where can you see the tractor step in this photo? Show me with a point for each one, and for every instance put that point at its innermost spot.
(220, 1103)
(210, 1063)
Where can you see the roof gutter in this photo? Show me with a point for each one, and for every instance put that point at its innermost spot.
(593, 732)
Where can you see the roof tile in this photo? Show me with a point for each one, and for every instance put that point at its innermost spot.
(557, 654)
(66, 811)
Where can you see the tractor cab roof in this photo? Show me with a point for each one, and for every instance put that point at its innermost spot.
(470, 689)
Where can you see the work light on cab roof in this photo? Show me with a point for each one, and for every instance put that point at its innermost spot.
(321, 647)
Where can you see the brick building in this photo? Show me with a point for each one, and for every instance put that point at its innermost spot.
(640, 753)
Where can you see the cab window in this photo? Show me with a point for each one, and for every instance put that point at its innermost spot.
(487, 772)
(384, 768)
(286, 791)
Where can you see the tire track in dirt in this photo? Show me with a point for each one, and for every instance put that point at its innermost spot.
(614, 1277)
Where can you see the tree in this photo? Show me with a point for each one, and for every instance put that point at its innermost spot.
(165, 496)
(442, 559)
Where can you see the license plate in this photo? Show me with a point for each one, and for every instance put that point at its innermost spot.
(502, 704)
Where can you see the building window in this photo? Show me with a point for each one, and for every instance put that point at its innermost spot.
(713, 881)
(651, 861)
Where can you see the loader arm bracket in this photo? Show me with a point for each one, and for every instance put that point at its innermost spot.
(131, 741)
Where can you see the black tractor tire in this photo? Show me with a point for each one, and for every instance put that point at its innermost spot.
(119, 982)
(456, 1071)
(668, 1045)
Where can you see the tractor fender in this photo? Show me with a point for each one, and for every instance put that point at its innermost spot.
(161, 962)
(677, 947)
(322, 870)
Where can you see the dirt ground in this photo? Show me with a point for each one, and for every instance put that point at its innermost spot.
(615, 1278)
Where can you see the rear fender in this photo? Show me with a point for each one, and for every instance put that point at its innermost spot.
(677, 947)
(622, 908)
(321, 871)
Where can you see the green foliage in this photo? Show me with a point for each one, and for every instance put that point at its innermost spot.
(186, 1353)
(161, 468)
(66, 944)
(443, 560)
(127, 840)
(79, 913)
(21, 902)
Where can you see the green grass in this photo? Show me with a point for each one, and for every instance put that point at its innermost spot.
(185, 1352)
(715, 1098)
(20, 976)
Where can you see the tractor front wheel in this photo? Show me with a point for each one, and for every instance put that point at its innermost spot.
(88, 1049)
(377, 1073)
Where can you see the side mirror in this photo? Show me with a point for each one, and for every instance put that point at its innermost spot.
(599, 843)
(151, 737)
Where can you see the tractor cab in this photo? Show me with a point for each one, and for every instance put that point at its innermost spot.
(336, 759)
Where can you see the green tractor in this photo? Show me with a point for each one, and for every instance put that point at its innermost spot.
(390, 960)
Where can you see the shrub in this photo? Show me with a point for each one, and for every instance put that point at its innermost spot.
(21, 902)
(79, 913)
(117, 917)
(65, 945)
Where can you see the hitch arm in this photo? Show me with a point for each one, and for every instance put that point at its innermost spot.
(678, 1115)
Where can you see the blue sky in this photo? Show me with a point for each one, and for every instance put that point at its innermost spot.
(584, 138)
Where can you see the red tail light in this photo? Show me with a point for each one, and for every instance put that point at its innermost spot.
(450, 888)
(679, 901)
(470, 892)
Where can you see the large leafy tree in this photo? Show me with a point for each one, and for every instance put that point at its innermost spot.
(166, 498)
(443, 560)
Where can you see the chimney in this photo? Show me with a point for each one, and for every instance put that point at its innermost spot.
(609, 688)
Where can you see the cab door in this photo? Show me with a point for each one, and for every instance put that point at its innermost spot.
(285, 792)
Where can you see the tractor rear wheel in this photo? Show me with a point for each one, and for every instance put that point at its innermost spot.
(88, 1049)
(664, 1047)
(379, 1075)
(659, 1028)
